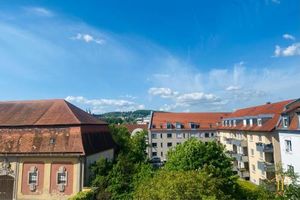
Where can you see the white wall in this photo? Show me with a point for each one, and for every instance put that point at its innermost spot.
(290, 158)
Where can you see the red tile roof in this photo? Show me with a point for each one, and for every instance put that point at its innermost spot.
(50, 126)
(43, 112)
(206, 120)
(273, 109)
(292, 110)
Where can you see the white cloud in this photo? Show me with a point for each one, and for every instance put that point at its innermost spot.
(288, 37)
(233, 87)
(88, 38)
(104, 105)
(39, 11)
(292, 50)
(162, 92)
(197, 98)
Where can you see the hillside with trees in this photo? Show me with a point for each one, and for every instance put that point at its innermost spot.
(123, 117)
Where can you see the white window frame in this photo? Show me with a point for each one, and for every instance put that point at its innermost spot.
(62, 170)
(244, 122)
(259, 122)
(179, 135)
(285, 121)
(37, 176)
(288, 145)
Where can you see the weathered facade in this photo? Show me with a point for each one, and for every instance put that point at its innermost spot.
(46, 147)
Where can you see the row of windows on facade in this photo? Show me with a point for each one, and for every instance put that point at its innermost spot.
(169, 144)
(246, 122)
(178, 125)
(61, 178)
(182, 135)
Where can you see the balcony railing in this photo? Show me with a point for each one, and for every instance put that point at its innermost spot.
(244, 174)
(267, 148)
(240, 157)
(267, 166)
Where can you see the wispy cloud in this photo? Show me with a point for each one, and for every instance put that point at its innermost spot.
(288, 37)
(105, 105)
(39, 11)
(88, 38)
(162, 92)
(292, 50)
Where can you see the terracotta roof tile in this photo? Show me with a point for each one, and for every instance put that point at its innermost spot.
(43, 112)
(206, 120)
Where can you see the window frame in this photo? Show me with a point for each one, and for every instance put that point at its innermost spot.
(288, 145)
(37, 177)
(59, 171)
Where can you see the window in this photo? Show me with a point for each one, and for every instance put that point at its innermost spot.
(161, 145)
(288, 145)
(260, 138)
(178, 143)
(179, 135)
(33, 177)
(169, 125)
(62, 178)
(252, 152)
(169, 135)
(178, 125)
(253, 167)
(154, 135)
(169, 144)
(259, 122)
(154, 145)
(244, 122)
(212, 134)
(251, 122)
(206, 135)
(234, 122)
(285, 122)
(161, 135)
(154, 154)
(161, 154)
(194, 125)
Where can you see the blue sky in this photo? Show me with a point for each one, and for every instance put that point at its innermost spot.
(164, 55)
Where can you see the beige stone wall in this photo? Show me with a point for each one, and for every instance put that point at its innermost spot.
(46, 190)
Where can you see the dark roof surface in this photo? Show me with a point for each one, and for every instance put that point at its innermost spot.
(43, 112)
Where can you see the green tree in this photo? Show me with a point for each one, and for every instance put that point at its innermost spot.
(169, 185)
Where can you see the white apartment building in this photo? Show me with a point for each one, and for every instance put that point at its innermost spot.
(289, 136)
(250, 136)
(166, 130)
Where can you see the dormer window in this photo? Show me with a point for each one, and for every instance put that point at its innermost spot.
(259, 122)
(285, 121)
(223, 123)
(169, 125)
(178, 125)
(244, 122)
(251, 122)
(230, 123)
(194, 125)
(234, 122)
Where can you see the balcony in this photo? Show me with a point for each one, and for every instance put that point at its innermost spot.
(244, 174)
(267, 166)
(240, 157)
(239, 142)
(267, 148)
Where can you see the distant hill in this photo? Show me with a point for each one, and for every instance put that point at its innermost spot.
(123, 117)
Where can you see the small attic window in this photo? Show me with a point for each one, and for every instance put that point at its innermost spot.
(285, 121)
(52, 140)
(259, 122)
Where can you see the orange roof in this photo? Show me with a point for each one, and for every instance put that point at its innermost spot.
(292, 110)
(43, 112)
(272, 109)
(206, 120)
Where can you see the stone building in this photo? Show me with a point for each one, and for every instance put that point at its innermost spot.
(46, 147)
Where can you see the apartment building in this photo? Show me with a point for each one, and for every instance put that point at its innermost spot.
(166, 130)
(289, 136)
(250, 136)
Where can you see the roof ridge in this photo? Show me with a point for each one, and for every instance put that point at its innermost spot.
(73, 114)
